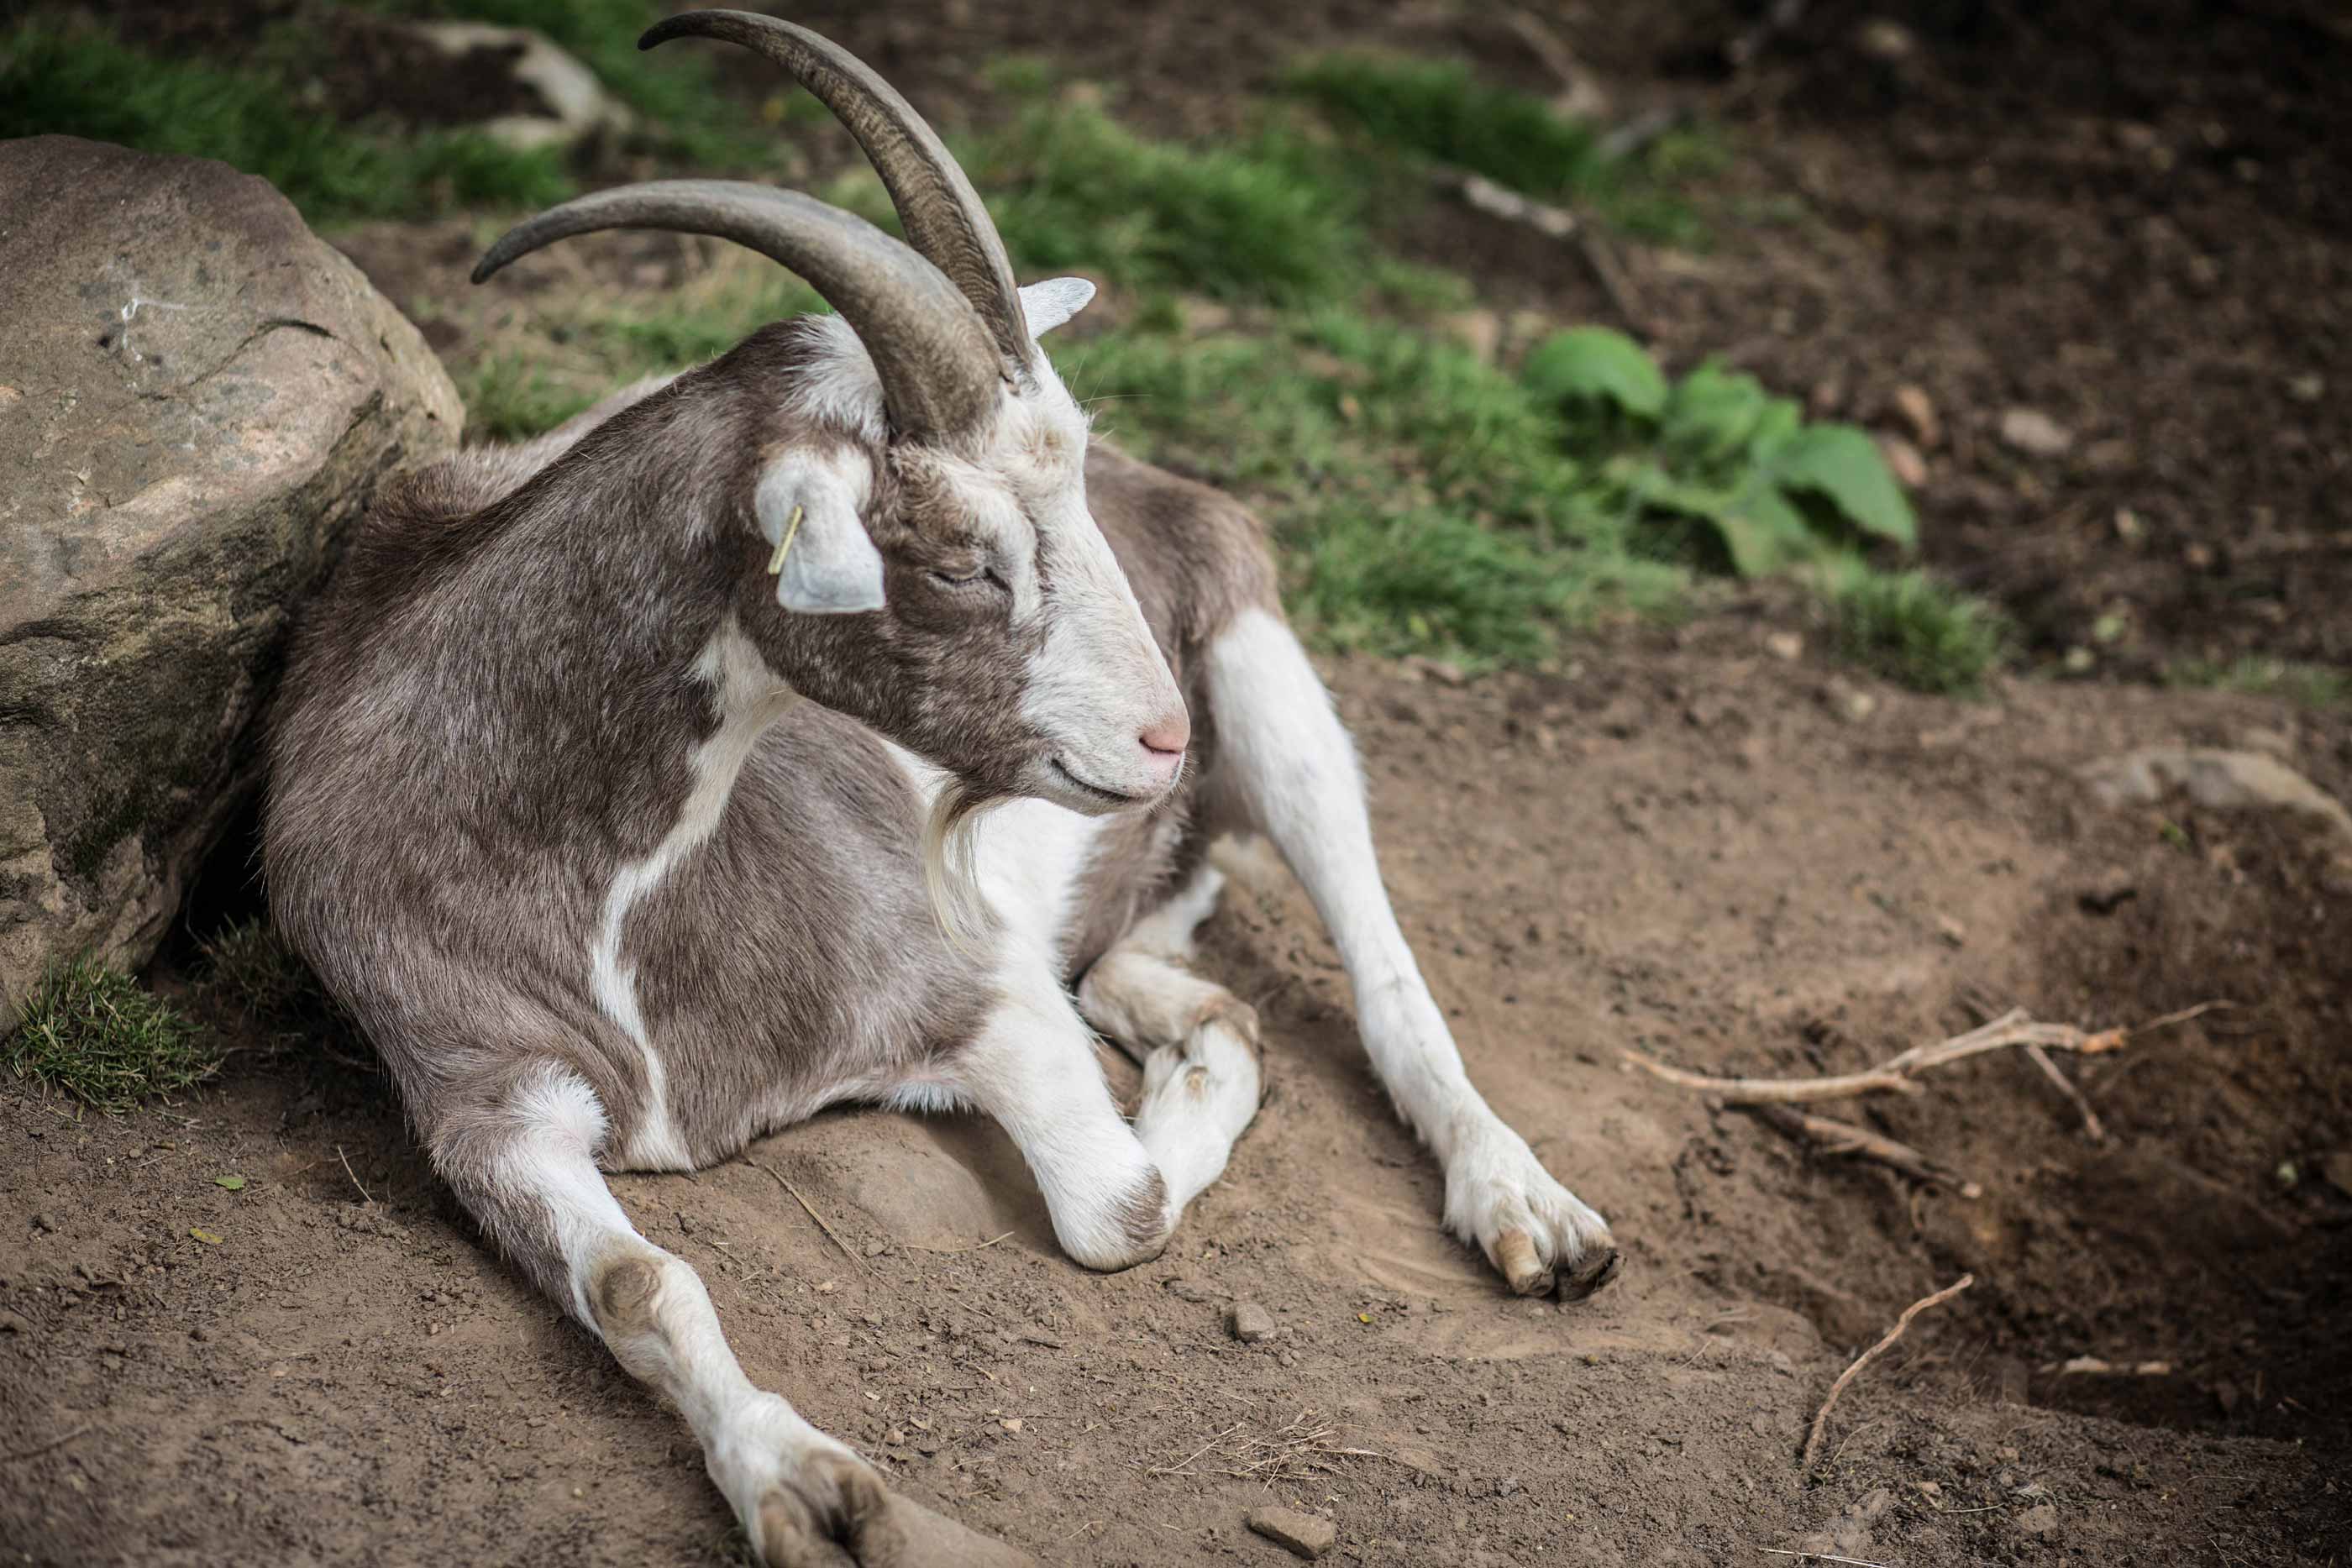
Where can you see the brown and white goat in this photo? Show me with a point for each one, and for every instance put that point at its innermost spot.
(607, 775)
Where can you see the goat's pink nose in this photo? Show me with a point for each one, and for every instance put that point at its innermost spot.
(1170, 736)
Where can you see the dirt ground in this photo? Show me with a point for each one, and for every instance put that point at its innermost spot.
(1691, 847)
(1688, 845)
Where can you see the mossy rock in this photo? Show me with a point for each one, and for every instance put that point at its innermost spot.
(196, 398)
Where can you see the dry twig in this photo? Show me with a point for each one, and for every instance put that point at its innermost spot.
(1835, 1137)
(1822, 1416)
(831, 1235)
(1896, 1074)
(1553, 223)
(1548, 47)
(1502, 202)
(34, 1452)
(2092, 1125)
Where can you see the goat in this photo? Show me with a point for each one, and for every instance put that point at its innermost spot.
(617, 779)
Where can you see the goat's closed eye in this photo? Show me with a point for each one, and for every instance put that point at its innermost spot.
(965, 576)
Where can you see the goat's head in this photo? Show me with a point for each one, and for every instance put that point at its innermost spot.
(917, 553)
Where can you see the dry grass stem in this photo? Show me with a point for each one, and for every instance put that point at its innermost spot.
(1822, 1416)
(1896, 1073)
(830, 1234)
(1835, 1137)
(1300, 1450)
(352, 1174)
(1820, 1557)
(960, 1252)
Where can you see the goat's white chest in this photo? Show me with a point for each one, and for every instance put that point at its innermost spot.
(1027, 856)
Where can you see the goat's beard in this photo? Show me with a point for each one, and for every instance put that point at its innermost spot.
(950, 874)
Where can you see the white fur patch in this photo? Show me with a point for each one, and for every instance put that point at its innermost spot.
(1023, 858)
(841, 387)
(1293, 760)
(749, 698)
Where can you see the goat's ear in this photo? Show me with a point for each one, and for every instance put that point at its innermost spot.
(1049, 304)
(813, 499)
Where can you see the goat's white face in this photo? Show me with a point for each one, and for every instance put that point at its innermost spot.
(999, 598)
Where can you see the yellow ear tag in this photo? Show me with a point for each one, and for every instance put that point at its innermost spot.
(784, 545)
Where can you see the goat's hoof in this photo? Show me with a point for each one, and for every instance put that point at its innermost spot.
(1540, 1238)
(838, 1514)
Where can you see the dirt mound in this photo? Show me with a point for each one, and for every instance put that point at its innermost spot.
(1701, 851)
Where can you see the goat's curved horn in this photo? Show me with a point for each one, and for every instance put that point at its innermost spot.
(943, 213)
(939, 373)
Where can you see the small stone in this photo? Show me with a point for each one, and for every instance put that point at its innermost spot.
(2041, 1521)
(1883, 39)
(2308, 388)
(1784, 645)
(1917, 411)
(875, 1248)
(1250, 1322)
(1011, 1423)
(1480, 331)
(1847, 701)
(1904, 460)
(2033, 432)
(1303, 1534)
(46, 1221)
(2337, 1167)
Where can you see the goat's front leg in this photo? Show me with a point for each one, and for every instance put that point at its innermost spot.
(1291, 765)
(522, 1158)
(1032, 1068)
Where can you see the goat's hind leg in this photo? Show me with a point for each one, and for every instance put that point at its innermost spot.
(522, 1159)
(1196, 1041)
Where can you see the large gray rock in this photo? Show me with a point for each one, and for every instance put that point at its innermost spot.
(196, 396)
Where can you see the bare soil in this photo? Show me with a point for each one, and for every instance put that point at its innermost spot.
(1685, 845)
(1688, 847)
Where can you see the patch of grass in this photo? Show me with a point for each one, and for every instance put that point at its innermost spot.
(87, 82)
(1441, 109)
(1262, 220)
(106, 1040)
(576, 346)
(248, 966)
(2311, 685)
(675, 88)
(1914, 630)
(1422, 500)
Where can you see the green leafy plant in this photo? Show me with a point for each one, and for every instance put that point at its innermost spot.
(100, 1037)
(1716, 449)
